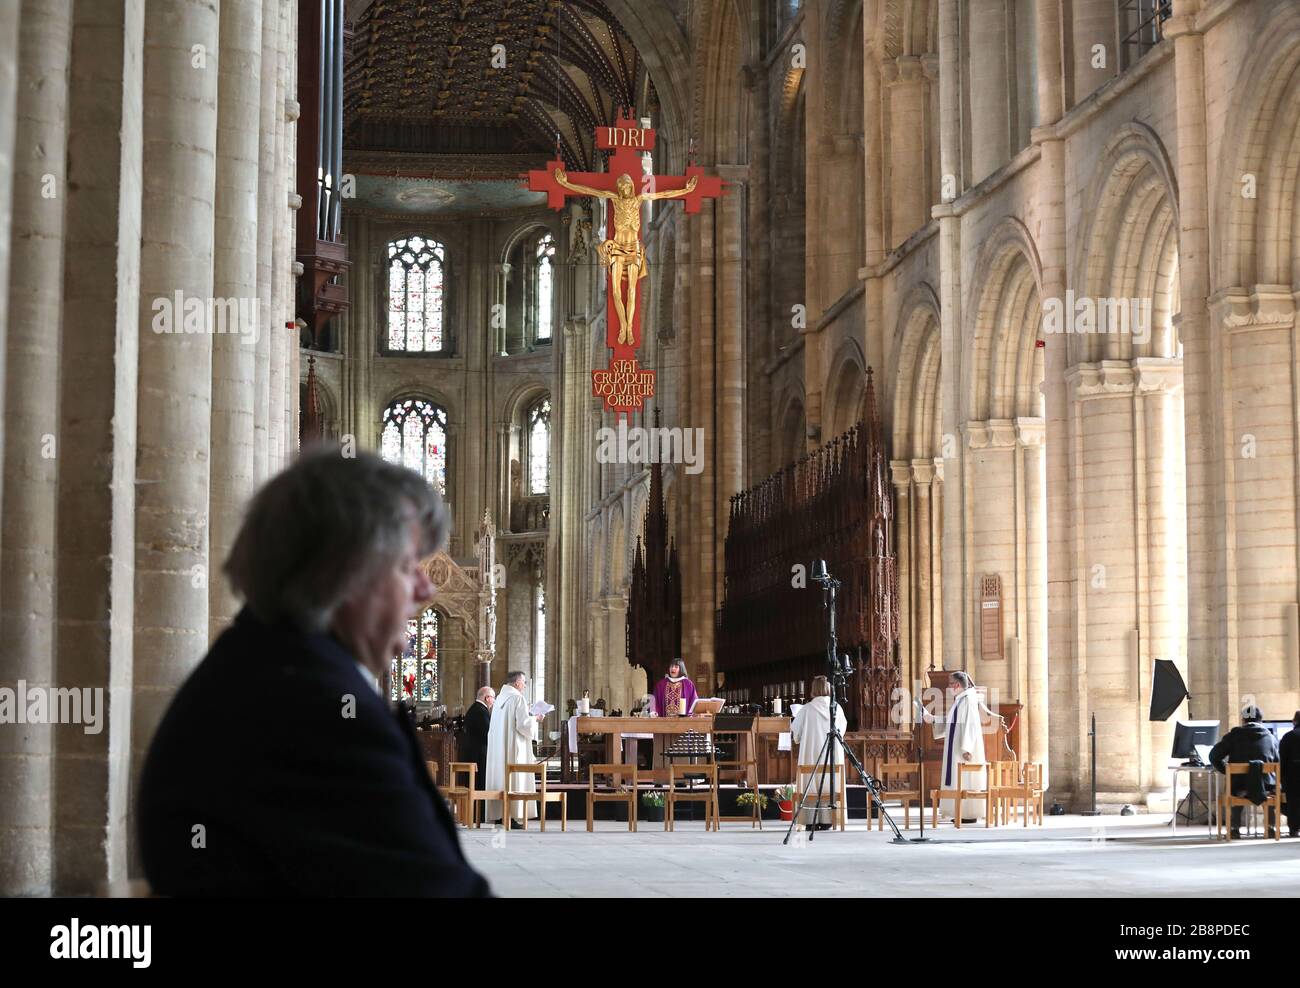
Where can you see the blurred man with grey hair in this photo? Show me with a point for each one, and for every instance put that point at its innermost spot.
(280, 768)
(478, 719)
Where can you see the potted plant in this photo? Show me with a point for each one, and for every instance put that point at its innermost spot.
(784, 797)
(652, 807)
(745, 801)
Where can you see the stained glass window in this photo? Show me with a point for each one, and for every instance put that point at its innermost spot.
(414, 673)
(414, 433)
(415, 295)
(545, 286)
(539, 447)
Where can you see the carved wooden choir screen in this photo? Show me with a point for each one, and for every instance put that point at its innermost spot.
(834, 504)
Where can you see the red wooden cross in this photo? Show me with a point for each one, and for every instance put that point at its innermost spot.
(628, 141)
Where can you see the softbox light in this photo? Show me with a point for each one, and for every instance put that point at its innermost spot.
(1168, 690)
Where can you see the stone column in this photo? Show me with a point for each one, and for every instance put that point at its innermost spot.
(8, 99)
(923, 476)
(950, 365)
(97, 464)
(293, 202)
(936, 565)
(1094, 24)
(729, 361)
(1058, 687)
(874, 209)
(987, 65)
(1158, 384)
(699, 563)
(171, 561)
(1030, 435)
(950, 136)
(281, 251)
(908, 193)
(498, 318)
(268, 94)
(953, 555)
(904, 538)
(31, 421)
(1212, 639)
(234, 285)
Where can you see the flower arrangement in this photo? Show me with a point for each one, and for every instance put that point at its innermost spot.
(747, 799)
(652, 799)
(784, 794)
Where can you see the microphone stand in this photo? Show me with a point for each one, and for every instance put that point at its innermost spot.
(837, 679)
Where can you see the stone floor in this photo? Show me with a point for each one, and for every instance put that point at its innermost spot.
(1068, 856)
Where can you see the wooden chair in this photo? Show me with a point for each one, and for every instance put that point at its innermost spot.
(746, 771)
(433, 771)
(1003, 789)
(677, 793)
(841, 806)
(541, 797)
(887, 770)
(461, 797)
(621, 788)
(1272, 806)
(1029, 793)
(478, 801)
(960, 794)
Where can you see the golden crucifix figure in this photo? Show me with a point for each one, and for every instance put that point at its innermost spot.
(624, 254)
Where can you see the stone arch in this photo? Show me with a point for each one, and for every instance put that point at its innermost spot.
(329, 407)
(663, 263)
(617, 541)
(787, 140)
(1006, 363)
(724, 109)
(842, 44)
(521, 396)
(520, 233)
(916, 419)
(845, 387)
(1131, 245)
(791, 433)
(662, 45)
(1260, 237)
(596, 556)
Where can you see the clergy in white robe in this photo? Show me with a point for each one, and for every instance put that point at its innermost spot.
(808, 730)
(510, 737)
(963, 741)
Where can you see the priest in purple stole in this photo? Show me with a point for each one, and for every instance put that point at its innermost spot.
(672, 689)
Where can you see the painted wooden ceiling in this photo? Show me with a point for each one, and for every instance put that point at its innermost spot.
(426, 91)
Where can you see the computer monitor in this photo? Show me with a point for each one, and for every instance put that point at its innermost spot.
(1278, 727)
(1188, 734)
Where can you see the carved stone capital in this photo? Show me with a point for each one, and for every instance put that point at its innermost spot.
(923, 474)
(902, 70)
(991, 434)
(1259, 307)
(1158, 375)
(1031, 431)
(1106, 377)
(901, 474)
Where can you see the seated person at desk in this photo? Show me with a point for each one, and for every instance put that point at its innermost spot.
(1288, 750)
(808, 730)
(1250, 742)
(670, 691)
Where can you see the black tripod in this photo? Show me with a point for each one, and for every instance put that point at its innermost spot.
(838, 678)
